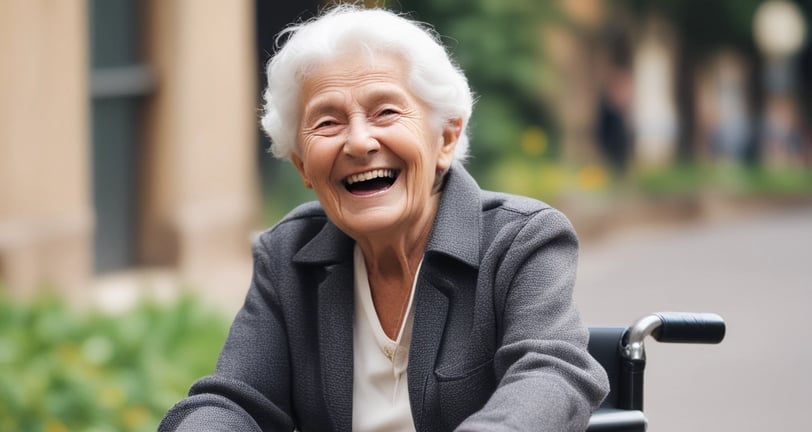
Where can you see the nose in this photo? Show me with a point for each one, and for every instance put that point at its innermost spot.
(360, 142)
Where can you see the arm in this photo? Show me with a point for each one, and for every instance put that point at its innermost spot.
(547, 380)
(250, 388)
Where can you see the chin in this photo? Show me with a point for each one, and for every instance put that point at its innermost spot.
(374, 222)
(373, 225)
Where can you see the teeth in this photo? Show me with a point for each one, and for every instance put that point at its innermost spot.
(369, 175)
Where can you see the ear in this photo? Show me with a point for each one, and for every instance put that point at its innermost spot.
(299, 164)
(451, 134)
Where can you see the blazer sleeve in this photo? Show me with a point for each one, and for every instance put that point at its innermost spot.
(250, 388)
(547, 381)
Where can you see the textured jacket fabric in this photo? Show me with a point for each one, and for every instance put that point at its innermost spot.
(497, 342)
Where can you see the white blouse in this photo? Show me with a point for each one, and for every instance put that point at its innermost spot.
(380, 394)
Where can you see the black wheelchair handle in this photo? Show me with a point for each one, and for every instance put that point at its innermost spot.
(688, 327)
(682, 327)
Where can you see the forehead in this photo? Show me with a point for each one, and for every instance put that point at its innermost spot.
(382, 77)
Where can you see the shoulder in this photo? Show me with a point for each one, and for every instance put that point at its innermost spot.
(509, 202)
(515, 228)
(294, 231)
(472, 223)
(499, 209)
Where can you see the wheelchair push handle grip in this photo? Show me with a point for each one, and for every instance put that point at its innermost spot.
(686, 327)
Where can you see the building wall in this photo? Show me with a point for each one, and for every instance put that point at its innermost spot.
(200, 194)
(45, 208)
(197, 181)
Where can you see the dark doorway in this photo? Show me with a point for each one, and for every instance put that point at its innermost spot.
(271, 18)
(118, 82)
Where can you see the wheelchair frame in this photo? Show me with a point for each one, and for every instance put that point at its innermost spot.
(621, 352)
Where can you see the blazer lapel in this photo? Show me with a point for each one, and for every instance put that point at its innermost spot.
(331, 251)
(335, 323)
(455, 235)
(431, 308)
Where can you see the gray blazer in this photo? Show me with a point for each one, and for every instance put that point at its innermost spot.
(497, 342)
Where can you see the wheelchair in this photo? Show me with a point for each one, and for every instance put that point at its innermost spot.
(621, 351)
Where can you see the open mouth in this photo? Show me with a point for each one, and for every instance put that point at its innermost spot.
(370, 182)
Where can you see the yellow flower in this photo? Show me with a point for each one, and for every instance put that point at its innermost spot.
(111, 396)
(68, 353)
(534, 141)
(593, 177)
(55, 426)
(134, 417)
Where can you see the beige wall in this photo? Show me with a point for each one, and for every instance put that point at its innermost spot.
(45, 214)
(201, 192)
(198, 186)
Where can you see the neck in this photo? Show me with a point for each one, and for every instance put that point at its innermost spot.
(394, 255)
(392, 259)
(391, 270)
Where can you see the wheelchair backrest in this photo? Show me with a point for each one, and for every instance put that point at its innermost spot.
(604, 346)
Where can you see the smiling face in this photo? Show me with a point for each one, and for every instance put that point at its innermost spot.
(369, 148)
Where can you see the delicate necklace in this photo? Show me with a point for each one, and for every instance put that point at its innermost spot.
(404, 302)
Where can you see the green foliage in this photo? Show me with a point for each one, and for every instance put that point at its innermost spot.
(498, 45)
(679, 180)
(282, 190)
(688, 179)
(549, 181)
(61, 370)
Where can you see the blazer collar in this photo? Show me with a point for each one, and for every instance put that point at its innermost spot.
(457, 224)
(329, 246)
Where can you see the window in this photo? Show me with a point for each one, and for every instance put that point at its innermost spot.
(118, 83)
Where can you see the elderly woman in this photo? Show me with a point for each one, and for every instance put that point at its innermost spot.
(406, 298)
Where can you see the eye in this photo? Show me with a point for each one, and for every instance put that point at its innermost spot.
(386, 115)
(325, 123)
(325, 126)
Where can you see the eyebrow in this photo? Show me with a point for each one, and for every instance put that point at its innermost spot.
(327, 103)
(384, 93)
(320, 105)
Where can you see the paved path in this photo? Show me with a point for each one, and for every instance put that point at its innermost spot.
(754, 270)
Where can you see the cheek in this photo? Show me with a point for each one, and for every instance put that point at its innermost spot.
(418, 142)
(318, 159)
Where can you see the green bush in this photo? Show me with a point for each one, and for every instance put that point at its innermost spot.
(62, 370)
(687, 179)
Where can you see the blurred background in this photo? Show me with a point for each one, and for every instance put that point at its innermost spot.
(676, 135)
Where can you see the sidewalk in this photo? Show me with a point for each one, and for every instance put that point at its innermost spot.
(751, 267)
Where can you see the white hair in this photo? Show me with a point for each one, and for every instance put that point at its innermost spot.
(433, 77)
